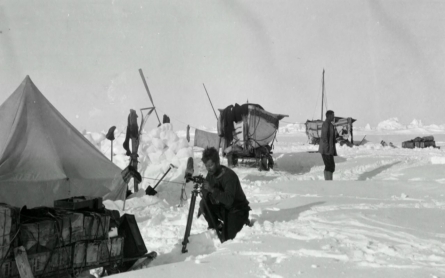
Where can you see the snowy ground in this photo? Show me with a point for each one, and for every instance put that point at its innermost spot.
(382, 216)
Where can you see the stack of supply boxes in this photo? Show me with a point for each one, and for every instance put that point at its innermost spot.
(57, 241)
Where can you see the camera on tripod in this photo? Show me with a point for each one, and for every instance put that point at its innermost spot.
(196, 179)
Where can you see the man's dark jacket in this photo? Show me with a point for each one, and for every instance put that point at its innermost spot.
(227, 190)
(328, 139)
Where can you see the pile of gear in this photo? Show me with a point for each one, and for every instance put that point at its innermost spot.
(420, 142)
(76, 235)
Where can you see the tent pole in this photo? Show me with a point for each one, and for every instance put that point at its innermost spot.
(125, 199)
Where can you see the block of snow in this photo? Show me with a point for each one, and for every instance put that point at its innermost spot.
(156, 157)
(168, 136)
(437, 160)
(155, 133)
(184, 153)
(173, 146)
(182, 143)
(158, 144)
(169, 154)
(167, 126)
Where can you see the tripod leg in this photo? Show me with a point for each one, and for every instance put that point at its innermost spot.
(189, 221)
(219, 233)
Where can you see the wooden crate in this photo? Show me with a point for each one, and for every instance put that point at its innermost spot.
(39, 236)
(9, 269)
(96, 225)
(70, 226)
(97, 252)
(80, 202)
(44, 264)
(8, 228)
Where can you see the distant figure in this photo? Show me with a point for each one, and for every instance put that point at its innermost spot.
(327, 145)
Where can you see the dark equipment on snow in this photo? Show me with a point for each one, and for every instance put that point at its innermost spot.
(198, 181)
(420, 142)
(151, 190)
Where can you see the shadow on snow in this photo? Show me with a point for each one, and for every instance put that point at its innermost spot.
(285, 214)
(375, 172)
(301, 162)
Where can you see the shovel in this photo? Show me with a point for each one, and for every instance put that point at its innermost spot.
(151, 190)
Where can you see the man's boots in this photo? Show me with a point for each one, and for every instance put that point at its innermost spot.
(328, 175)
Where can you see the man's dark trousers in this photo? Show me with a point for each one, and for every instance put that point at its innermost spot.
(234, 220)
(329, 166)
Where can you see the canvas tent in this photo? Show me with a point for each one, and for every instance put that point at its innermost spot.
(313, 129)
(44, 158)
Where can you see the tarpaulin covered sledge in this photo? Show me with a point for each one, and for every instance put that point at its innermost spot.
(344, 127)
(244, 131)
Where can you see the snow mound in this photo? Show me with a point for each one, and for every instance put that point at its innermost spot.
(160, 150)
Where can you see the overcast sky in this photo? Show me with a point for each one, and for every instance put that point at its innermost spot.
(382, 58)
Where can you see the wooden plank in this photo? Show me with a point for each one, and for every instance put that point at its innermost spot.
(21, 259)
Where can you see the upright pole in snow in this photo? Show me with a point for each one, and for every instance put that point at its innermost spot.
(125, 199)
(111, 151)
(322, 96)
(210, 100)
(148, 91)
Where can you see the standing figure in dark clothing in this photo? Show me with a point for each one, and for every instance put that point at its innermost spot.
(224, 197)
(327, 144)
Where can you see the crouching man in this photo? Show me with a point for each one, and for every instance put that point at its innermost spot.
(223, 202)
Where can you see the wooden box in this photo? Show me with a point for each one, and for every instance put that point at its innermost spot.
(81, 202)
(8, 228)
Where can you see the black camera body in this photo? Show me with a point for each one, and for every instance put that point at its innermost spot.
(196, 179)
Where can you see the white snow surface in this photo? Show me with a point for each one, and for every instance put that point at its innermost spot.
(382, 216)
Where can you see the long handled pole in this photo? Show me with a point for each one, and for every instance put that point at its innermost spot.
(322, 96)
(210, 100)
(125, 199)
(159, 181)
(111, 151)
(148, 91)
